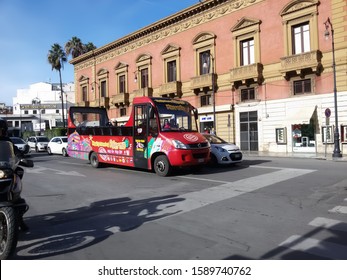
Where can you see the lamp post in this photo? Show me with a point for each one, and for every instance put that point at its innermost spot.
(206, 66)
(337, 151)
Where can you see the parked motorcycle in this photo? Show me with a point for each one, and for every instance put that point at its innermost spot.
(12, 206)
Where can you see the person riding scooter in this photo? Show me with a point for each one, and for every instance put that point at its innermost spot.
(4, 137)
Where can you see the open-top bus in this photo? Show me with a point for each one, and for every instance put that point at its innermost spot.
(161, 134)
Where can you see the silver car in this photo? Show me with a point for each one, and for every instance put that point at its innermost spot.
(38, 143)
(22, 146)
(223, 152)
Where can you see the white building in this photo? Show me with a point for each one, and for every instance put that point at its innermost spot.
(41, 103)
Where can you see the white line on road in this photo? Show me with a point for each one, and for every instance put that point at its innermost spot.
(329, 224)
(316, 247)
(339, 209)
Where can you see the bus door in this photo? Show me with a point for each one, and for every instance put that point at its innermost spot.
(141, 128)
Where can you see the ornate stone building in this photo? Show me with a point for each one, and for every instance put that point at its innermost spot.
(261, 70)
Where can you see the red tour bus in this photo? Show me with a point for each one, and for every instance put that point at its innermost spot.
(161, 134)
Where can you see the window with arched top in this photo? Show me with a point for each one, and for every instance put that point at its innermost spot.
(204, 51)
(143, 74)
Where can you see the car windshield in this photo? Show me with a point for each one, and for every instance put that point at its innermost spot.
(213, 139)
(42, 139)
(16, 140)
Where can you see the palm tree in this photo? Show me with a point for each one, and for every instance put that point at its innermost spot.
(89, 47)
(57, 58)
(75, 47)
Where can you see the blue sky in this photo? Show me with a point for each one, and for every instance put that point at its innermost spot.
(28, 29)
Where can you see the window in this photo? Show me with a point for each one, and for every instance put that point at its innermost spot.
(301, 38)
(171, 71)
(246, 37)
(247, 52)
(302, 86)
(144, 77)
(84, 93)
(103, 89)
(247, 94)
(34, 112)
(300, 26)
(57, 111)
(43, 111)
(26, 112)
(205, 62)
(121, 81)
(205, 100)
(123, 112)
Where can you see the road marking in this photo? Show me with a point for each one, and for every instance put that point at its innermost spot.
(329, 224)
(339, 209)
(316, 247)
(40, 169)
(194, 200)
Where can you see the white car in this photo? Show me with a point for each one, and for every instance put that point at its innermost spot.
(58, 145)
(38, 143)
(22, 146)
(223, 152)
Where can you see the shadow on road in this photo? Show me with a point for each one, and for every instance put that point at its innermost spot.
(74, 229)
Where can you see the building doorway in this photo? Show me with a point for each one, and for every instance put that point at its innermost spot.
(249, 131)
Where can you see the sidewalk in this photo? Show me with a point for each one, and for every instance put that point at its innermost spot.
(320, 156)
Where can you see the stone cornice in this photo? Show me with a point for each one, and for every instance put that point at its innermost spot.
(189, 18)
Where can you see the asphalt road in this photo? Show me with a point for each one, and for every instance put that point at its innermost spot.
(263, 208)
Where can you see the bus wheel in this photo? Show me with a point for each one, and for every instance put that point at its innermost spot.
(94, 161)
(162, 166)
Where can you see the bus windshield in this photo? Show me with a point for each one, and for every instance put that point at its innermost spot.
(176, 115)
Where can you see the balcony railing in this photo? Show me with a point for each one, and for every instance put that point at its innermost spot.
(171, 89)
(147, 91)
(83, 103)
(120, 99)
(198, 83)
(240, 75)
(299, 62)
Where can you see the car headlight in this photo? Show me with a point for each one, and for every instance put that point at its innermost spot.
(221, 150)
(178, 144)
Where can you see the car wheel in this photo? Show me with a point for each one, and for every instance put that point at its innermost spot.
(94, 161)
(162, 166)
(49, 150)
(64, 152)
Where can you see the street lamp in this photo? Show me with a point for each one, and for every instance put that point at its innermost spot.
(206, 66)
(337, 151)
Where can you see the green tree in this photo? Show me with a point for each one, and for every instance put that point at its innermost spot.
(57, 58)
(89, 47)
(75, 47)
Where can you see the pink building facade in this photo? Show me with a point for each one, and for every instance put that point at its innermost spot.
(260, 72)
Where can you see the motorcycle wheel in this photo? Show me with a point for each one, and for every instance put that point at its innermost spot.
(8, 232)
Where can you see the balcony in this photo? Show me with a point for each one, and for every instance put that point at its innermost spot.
(102, 102)
(244, 75)
(201, 83)
(300, 64)
(172, 89)
(147, 91)
(120, 99)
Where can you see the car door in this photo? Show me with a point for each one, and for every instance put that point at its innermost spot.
(55, 146)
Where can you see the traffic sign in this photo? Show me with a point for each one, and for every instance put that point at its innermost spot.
(327, 112)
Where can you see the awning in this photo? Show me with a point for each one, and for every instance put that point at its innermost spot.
(301, 115)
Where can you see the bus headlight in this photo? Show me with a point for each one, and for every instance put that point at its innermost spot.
(179, 145)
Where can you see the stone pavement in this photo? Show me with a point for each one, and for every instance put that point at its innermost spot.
(320, 156)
